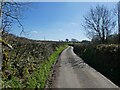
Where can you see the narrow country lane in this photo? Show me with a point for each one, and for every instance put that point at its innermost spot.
(74, 73)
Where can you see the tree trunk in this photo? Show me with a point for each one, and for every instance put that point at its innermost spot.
(119, 23)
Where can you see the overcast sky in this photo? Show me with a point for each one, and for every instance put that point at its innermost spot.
(56, 20)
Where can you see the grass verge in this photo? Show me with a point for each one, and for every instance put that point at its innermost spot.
(39, 78)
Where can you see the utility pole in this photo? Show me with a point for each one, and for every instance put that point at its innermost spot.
(44, 39)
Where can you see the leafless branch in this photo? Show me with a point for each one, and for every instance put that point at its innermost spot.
(100, 22)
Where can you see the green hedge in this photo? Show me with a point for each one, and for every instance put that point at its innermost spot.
(24, 59)
(104, 58)
(39, 77)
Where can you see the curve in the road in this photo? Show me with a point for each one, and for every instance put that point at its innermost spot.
(74, 73)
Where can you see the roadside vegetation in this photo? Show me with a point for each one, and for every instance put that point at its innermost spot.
(29, 63)
(26, 63)
(104, 58)
(103, 51)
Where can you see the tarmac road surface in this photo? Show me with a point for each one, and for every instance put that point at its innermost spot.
(74, 73)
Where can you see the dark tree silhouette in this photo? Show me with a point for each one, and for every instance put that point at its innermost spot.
(119, 22)
(99, 23)
(67, 40)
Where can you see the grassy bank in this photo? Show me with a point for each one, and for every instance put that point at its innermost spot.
(39, 77)
(104, 58)
(28, 64)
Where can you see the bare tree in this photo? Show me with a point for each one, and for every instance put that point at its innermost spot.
(119, 22)
(10, 12)
(99, 23)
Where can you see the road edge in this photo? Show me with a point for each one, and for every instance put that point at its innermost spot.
(50, 83)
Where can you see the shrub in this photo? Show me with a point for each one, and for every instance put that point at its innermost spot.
(25, 59)
(104, 58)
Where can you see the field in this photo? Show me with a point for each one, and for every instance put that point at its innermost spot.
(104, 58)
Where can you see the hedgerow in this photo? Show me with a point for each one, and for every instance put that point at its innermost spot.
(28, 64)
(104, 58)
